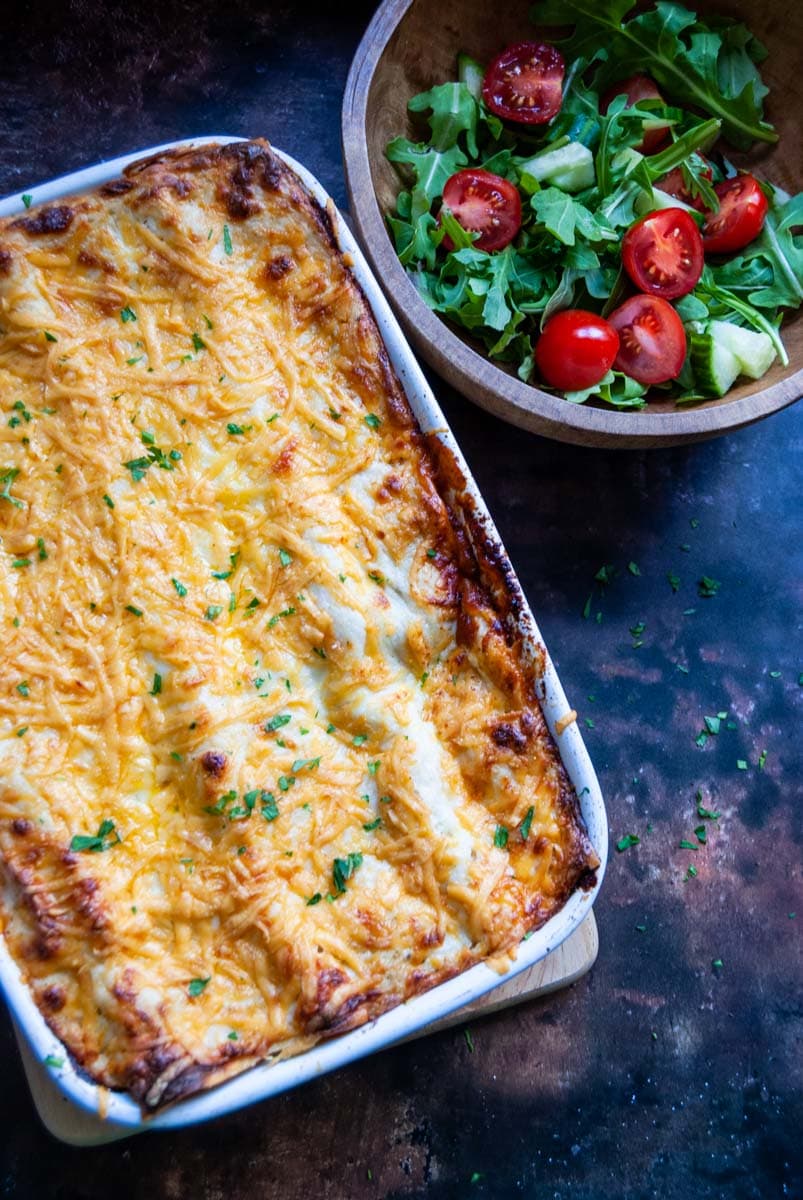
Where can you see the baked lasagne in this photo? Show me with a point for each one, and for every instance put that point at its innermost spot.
(271, 753)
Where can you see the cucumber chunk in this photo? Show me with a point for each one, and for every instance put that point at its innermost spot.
(570, 167)
(714, 367)
(471, 74)
(753, 351)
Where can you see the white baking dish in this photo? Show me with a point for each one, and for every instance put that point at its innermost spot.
(267, 1080)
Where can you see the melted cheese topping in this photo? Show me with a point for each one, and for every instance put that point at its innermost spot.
(254, 784)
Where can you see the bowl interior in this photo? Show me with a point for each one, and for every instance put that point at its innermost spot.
(422, 44)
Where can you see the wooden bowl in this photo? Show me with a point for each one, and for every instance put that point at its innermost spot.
(411, 45)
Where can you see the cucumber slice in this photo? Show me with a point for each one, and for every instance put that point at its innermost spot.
(714, 367)
(661, 200)
(570, 167)
(753, 351)
(471, 74)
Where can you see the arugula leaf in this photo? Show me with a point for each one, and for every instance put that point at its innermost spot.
(617, 389)
(710, 69)
(430, 167)
(564, 216)
(774, 278)
(454, 110)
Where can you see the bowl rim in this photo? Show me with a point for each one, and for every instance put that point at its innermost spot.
(471, 372)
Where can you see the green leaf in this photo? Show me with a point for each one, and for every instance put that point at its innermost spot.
(430, 168)
(453, 110)
(705, 68)
(614, 388)
(780, 250)
(564, 217)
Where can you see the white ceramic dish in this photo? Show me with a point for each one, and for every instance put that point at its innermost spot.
(268, 1080)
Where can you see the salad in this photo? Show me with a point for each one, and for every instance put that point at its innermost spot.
(573, 208)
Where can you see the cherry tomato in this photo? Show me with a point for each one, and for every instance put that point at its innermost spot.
(486, 204)
(675, 185)
(639, 87)
(575, 350)
(652, 340)
(524, 83)
(742, 209)
(663, 253)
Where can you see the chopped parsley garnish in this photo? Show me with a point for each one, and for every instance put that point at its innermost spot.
(232, 1035)
(132, 608)
(51, 1060)
(286, 782)
(198, 342)
(23, 730)
(359, 739)
(685, 844)
(157, 685)
(624, 843)
(206, 321)
(316, 899)
(7, 477)
(127, 314)
(108, 500)
(27, 200)
(674, 580)
(132, 362)
(469, 1040)
(106, 837)
(372, 420)
(269, 809)
(707, 587)
(179, 586)
(196, 986)
(633, 568)
(226, 240)
(319, 650)
(432, 553)
(285, 558)
(276, 722)
(373, 767)
(21, 562)
(213, 612)
(524, 828)
(301, 763)
(22, 688)
(235, 430)
(500, 837)
(691, 872)
(717, 964)
(762, 758)
(712, 724)
(343, 869)
(701, 834)
(286, 612)
(703, 812)
(50, 337)
(741, 764)
(252, 604)
(372, 825)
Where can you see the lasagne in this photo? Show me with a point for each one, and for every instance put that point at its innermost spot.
(271, 753)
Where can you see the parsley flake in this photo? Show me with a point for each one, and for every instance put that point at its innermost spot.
(234, 430)
(127, 314)
(196, 986)
(633, 568)
(277, 722)
(343, 869)
(227, 247)
(372, 825)
(500, 837)
(179, 586)
(213, 612)
(707, 587)
(103, 839)
(372, 420)
(198, 343)
(27, 200)
(315, 899)
(157, 685)
(629, 839)
(285, 558)
(132, 608)
(524, 828)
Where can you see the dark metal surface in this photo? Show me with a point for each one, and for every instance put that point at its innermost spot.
(659, 1074)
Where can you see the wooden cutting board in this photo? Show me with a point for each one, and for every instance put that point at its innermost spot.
(563, 966)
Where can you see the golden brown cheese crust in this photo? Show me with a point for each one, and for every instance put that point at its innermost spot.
(266, 714)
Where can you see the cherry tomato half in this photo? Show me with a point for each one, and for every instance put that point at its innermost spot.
(674, 184)
(524, 83)
(742, 209)
(639, 87)
(486, 204)
(663, 253)
(575, 350)
(652, 340)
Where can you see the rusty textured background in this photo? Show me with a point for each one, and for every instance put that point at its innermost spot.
(658, 1075)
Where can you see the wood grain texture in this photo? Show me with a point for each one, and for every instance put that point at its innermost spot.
(411, 45)
(564, 966)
